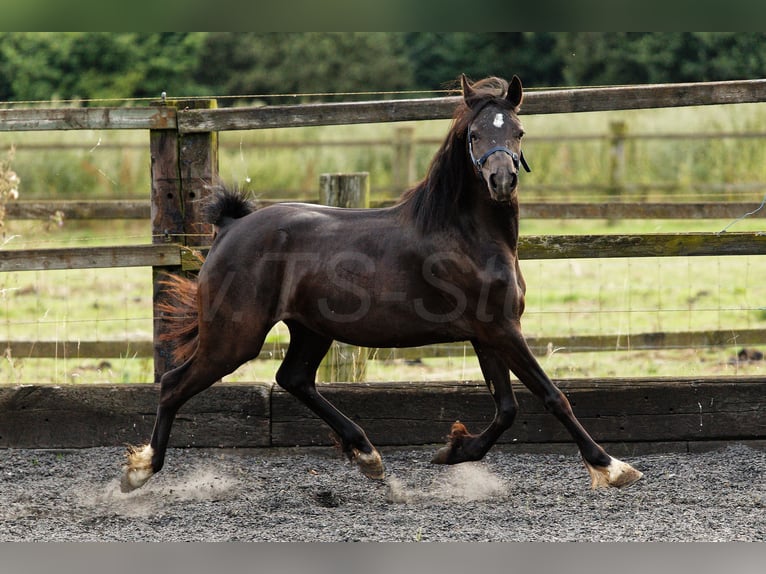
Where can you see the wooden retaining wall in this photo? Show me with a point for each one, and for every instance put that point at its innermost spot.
(639, 415)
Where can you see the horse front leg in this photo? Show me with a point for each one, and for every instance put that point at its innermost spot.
(462, 445)
(604, 469)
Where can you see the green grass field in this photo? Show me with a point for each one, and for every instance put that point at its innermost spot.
(584, 296)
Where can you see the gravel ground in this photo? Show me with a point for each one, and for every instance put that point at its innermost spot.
(311, 494)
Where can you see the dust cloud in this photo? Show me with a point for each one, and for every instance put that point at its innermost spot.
(203, 484)
(468, 482)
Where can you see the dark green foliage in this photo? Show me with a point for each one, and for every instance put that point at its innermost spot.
(95, 65)
(302, 63)
(92, 65)
(440, 57)
(592, 58)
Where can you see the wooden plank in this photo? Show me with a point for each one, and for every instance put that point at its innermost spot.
(250, 118)
(81, 416)
(643, 245)
(78, 349)
(648, 341)
(642, 210)
(539, 345)
(77, 209)
(624, 411)
(140, 209)
(107, 118)
(535, 102)
(240, 415)
(590, 343)
(89, 257)
(640, 245)
(643, 97)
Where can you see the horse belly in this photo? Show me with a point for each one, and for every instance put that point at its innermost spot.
(364, 310)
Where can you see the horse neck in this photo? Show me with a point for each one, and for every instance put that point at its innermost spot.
(500, 221)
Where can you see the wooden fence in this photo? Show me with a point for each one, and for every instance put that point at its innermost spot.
(402, 147)
(184, 155)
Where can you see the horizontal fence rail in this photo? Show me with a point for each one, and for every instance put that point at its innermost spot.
(530, 247)
(154, 118)
(139, 209)
(535, 102)
(540, 346)
(43, 209)
(90, 257)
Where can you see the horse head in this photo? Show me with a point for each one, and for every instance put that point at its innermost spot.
(494, 137)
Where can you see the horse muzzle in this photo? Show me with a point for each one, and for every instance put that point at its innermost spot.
(502, 184)
(499, 168)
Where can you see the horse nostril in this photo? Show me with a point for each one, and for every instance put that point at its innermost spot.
(493, 181)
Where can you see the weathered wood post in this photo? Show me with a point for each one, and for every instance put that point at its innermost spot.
(403, 167)
(344, 362)
(616, 185)
(182, 167)
(617, 132)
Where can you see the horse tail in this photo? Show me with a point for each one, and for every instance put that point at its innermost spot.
(225, 205)
(179, 309)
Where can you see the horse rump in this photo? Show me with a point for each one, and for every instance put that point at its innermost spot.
(178, 303)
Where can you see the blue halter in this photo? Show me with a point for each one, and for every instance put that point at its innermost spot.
(479, 163)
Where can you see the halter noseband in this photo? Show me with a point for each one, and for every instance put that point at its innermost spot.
(479, 163)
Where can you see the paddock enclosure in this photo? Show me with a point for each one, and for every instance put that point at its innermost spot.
(641, 413)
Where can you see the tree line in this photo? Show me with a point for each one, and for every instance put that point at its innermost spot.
(49, 66)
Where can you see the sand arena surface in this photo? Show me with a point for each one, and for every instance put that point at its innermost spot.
(312, 494)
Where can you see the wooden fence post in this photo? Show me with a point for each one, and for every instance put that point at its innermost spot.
(617, 132)
(403, 168)
(182, 167)
(616, 185)
(344, 362)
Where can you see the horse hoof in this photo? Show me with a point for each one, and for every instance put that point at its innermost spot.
(453, 453)
(133, 479)
(370, 464)
(442, 456)
(138, 468)
(617, 474)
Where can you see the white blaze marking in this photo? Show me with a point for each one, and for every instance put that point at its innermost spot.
(499, 121)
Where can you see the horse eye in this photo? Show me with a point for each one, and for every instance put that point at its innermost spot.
(473, 137)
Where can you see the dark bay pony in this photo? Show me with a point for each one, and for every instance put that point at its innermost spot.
(440, 266)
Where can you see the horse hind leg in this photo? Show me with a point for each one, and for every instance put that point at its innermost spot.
(176, 387)
(205, 367)
(464, 446)
(297, 375)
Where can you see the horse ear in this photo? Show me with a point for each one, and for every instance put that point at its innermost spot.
(515, 93)
(468, 92)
